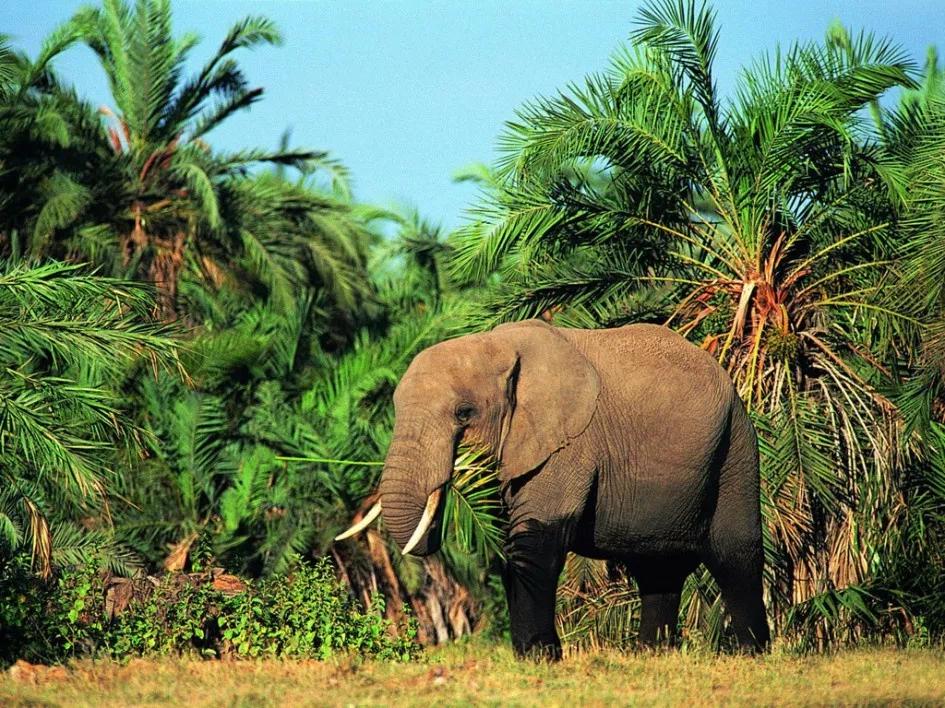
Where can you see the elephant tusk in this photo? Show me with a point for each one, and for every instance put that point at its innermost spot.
(362, 524)
(432, 502)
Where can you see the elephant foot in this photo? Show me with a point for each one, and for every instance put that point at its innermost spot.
(538, 649)
(659, 645)
(537, 646)
(749, 645)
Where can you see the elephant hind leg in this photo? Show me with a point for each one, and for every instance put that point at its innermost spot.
(659, 615)
(660, 583)
(735, 558)
(740, 582)
(735, 550)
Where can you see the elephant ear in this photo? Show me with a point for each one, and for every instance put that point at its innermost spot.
(552, 390)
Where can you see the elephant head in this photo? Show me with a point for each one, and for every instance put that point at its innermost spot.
(519, 392)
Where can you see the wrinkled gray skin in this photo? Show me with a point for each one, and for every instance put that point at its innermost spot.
(627, 444)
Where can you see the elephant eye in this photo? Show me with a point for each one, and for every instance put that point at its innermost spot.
(465, 412)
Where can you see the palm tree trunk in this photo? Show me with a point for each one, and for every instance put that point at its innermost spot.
(164, 271)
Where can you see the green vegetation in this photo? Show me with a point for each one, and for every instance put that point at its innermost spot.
(305, 614)
(199, 348)
(66, 337)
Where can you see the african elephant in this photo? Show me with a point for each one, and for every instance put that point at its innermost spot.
(628, 444)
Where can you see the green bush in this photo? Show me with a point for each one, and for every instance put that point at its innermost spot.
(304, 614)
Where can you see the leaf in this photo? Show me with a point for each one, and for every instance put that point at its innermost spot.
(176, 560)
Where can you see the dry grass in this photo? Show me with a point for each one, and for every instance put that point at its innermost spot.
(484, 674)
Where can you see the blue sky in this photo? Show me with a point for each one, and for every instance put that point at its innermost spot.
(407, 92)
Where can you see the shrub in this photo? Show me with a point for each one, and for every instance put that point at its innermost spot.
(304, 614)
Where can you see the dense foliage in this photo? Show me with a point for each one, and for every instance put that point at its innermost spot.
(199, 347)
(65, 338)
(87, 612)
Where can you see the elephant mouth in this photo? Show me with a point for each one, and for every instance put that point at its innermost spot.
(426, 537)
(430, 515)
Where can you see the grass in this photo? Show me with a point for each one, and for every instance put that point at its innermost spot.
(485, 674)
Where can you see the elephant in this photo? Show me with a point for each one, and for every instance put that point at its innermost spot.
(628, 444)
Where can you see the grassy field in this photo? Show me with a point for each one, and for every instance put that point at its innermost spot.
(489, 675)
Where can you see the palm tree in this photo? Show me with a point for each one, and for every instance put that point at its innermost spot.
(289, 239)
(410, 267)
(169, 185)
(66, 338)
(35, 193)
(914, 131)
(761, 228)
(137, 190)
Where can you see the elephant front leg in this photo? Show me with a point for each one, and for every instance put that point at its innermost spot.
(534, 559)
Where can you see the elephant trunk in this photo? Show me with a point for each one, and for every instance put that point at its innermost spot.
(418, 465)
